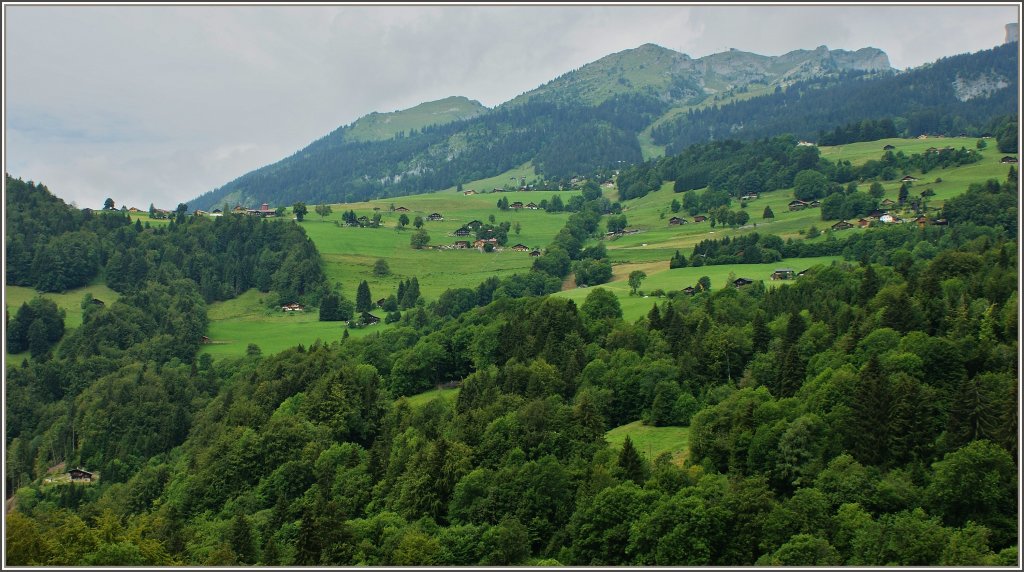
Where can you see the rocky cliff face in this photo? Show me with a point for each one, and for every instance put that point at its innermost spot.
(981, 86)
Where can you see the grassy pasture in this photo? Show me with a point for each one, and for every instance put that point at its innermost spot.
(653, 441)
(236, 323)
(421, 399)
(659, 276)
(70, 302)
(350, 253)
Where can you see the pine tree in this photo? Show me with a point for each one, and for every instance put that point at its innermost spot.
(768, 212)
(364, 302)
(654, 318)
(240, 538)
(632, 465)
(761, 335)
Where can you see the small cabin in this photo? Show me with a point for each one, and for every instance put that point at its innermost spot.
(888, 148)
(520, 248)
(293, 307)
(783, 274)
(842, 225)
(80, 476)
(474, 224)
(797, 205)
(469, 192)
(887, 202)
(435, 217)
(462, 232)
(401, 210)
(532, 206)
(461, 244)
(98, 302)
(700, 218)
(516, 205)
(741, 282)
(370, 319)
(1008, 159)
(535, 253)
(908, 179)
(689, 290)
(676, 220)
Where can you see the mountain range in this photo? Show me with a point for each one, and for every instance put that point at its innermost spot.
(627, 107)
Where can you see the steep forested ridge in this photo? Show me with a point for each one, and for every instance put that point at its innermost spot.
(863, 415)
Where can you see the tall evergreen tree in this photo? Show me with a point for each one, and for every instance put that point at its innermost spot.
(631, 463)
(364, 302)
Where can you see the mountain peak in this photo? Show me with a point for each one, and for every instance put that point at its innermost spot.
(381, 126)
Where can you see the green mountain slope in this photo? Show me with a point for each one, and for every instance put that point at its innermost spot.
(382, 126)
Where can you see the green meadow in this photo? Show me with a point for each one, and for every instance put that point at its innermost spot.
(421, 399)
(349, 253)
(244, 320)
(70, 302)
(652, 441)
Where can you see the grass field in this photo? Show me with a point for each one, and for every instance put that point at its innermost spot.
(70, 302)
(349, 253)
(421, 399)
(653, 441)
(236, 323)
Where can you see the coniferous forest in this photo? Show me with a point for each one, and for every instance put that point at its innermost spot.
(863, 415)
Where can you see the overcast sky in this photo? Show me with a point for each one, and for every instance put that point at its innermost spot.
(159, 104)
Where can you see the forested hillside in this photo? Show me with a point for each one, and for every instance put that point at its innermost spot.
(864, 415)
(590, 119)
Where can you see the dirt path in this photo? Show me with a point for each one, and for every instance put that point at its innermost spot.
(569, 283)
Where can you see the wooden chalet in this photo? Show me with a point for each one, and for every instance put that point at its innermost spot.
(532, 206)
(462, 232)
(469, 192)
(205, 340)
(380, 303)
(887, 202)
(520, 248)
(842, 225)
(888, 148)
(474, 224)
(293, 307)
(238, 209)
(814, 204)
(921, 221)
(534, 253)
(748, 197)
(369, 319)
(1008, 159)
(401, 210)
(689, 290)
(134, 210)
(479, 243)
(363, 220)
(797, 205)
(199, 212)
(460, 244)
(263, 211)
(908, 179)
(700, 218)
(741, 282)
(783, 274)
(676, 220)
(80, 475)
(516, 205)
(98, 302)
(216, 212)
(435, 217)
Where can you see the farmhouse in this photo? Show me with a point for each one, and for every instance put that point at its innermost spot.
(460, 244)
(198, 212)
(676, 220)
(864, 222)
(908, 179)
(474, 224)
(462, 232)
(532, 206)
(401, 210)
(842, 225)
(741, 282)
(479, 243)
(535, 253)
(520, 248)
(516, 205)
(79, 475)
(887, 203)
(469, 192)
(748, 197)
(369, 319)
(263, 211)
(238, 209)
(380, 303)
(435, 216)
(363, 220)
(293, 307)
(814, 204)
(134, 210)
(797, 205)
(1008, 159)
(700, 218)
(783, 274)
